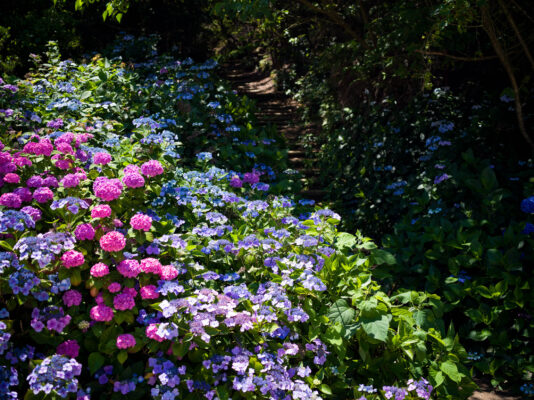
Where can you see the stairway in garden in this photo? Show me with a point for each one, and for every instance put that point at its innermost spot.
(275, 108)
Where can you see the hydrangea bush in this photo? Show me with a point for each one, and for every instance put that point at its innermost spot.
(135, 262)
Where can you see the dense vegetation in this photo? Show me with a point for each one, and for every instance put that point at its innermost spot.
(152, 240)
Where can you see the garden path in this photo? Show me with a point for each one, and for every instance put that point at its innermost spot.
(276, 108)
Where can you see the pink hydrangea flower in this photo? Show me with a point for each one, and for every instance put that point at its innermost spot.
(152, 168)
(101, 211)
(50, 181)
(114, 287)
(61, 162)
(69, 348)
(35, 181)
(101, 313)
(149, 292)
(43, 148)
(133, 180)
(22, 161)
(84, 232)
(131, 169)
(129, 268)
(11, 178)
(43, 194)
(99, 298)
(141, 222)
(113, 241)
(72, 258)
(125, 341)
(123, 301)
(24, 193)
(151, 265)
(101, 158)
(10, 200)
(70, 180)
(130, 291)
(35, 213)
(107, 189)
(72, 298)
(99, 270)
(168, 272)
(117, 223)
(152, 333)
(64, 148)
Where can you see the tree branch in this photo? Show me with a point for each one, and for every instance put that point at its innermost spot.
(453, 57)
(489, 27)
(335, 18)
(517, 33)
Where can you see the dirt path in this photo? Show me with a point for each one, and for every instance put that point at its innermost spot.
(278, 109)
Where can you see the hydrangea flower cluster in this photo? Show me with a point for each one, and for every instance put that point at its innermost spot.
(56, 373)
(197, 283)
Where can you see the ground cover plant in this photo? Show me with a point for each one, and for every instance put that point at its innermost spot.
(147, 251)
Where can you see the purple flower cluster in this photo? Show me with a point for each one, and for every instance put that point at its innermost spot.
(55, 374)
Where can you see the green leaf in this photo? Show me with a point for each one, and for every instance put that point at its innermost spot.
(439, 378)
(122, 356)
(341, 312)
(95, 361)
(325, 389)
(345, 241)
(381, 256)
(378, 327)
(451, 370)
(489, 179)
(85, 95)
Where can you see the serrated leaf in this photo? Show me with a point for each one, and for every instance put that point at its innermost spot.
(345, 241)
(377, 327)
(341, 312)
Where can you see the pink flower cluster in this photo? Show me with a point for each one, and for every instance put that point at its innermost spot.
(114, 287)
(84, 232)
(101, 211)
(43, 194)
(124, 301)
(125, 341)
(141, 222)
(152, 168)
(42, 148)
(10, 200)
(149, 292)
(107, 189)
(99, 270)
(113, 241)
(70, 348)
(70, 180)
(134, 180)
(152, 333)
(129, 268)
(72, 298)
(101, 158)
(101, 313)
(72, 258)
